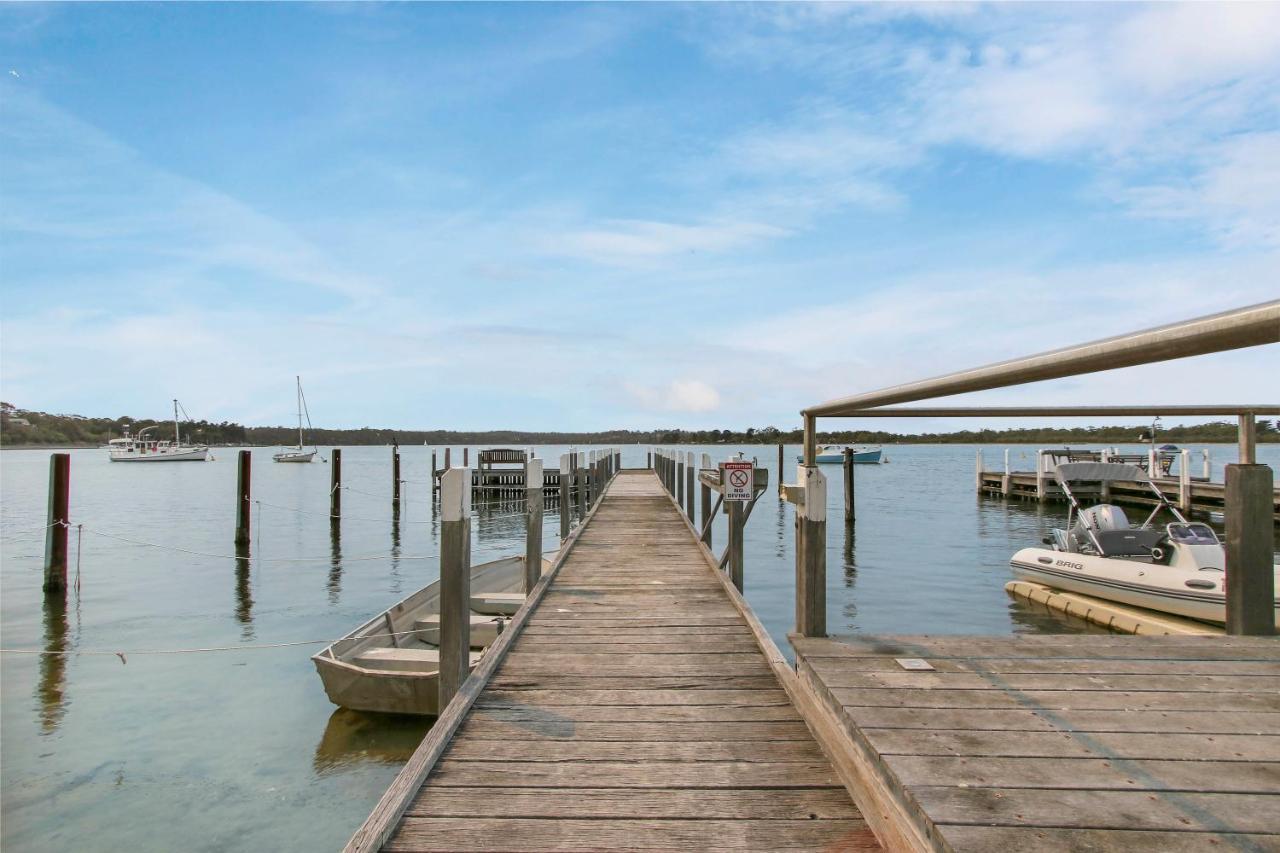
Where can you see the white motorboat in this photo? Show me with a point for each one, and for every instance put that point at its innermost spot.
(391, 664)
(1180, 569)
(141, 448)
(834, 454)
(299, 453)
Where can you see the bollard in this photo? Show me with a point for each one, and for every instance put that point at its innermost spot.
(455, 582)
(335, 487)
(395, 477)
(1250, 575)
(811, 554)
(243, 486)
(58, 519)
(533, 523)
(849, 513)
(565, 505)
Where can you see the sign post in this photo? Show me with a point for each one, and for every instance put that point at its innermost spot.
(738, 480)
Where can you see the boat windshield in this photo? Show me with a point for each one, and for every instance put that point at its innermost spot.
(1192, 534)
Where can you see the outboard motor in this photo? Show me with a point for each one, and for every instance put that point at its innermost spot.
(1100, 518)
(1104, 517)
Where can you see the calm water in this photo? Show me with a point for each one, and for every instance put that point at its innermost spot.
(240, 749)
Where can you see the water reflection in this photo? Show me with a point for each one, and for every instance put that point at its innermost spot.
(335, 563)
(244, 592)
(780, 527)
(397, 582)
(354, 737)
(51, 690)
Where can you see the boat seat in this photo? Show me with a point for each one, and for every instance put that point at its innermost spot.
(1128, 543)
(497, 603)
(484, 629)
(404, 660)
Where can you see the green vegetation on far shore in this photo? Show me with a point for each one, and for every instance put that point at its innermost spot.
(45, 430)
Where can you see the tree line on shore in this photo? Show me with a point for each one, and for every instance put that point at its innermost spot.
(39, 428)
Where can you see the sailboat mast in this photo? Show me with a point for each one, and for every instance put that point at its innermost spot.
(177, 438)
(299, 381)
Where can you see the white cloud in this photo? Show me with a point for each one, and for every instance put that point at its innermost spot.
(632, 242)
(680, 395)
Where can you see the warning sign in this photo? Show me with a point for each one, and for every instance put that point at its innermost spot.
(738, 477)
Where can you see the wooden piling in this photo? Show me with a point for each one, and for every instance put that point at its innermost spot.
(782, 469)
(395, 477)
(849, 512)
(1250, 577)
(533, 523)
(1184, 481)
(734, 511)
(680, 479)
(455, 582)
(58, 519)
(335, 487)
(244, 484)
(448, 452)
(466, 457)
(811, 554)
(690, 476)
(580, 484)
(566, 507)
(1248, 439)
(432, 478)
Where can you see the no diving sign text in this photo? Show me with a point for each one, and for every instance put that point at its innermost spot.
(738, 477)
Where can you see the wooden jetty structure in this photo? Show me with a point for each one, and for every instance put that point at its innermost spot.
(636, 702)
(1188, 492)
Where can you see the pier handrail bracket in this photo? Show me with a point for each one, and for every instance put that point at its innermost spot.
(1248, 551)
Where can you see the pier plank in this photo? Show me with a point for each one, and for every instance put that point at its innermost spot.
(636, 710)
(1063, 743)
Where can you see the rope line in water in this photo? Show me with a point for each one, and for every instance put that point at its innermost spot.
(329, 559)
(244, 647)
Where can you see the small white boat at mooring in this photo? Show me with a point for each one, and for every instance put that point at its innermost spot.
(141, 448)
(1180, 569)
(834, 454)
(391, 664)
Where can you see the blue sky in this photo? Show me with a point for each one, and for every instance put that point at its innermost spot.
(551, 216)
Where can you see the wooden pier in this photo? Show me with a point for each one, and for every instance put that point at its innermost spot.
(1048, 743)
(637, 704)
(1196, 496)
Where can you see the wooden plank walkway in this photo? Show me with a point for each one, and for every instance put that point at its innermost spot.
(1044, 743)
(635, 710)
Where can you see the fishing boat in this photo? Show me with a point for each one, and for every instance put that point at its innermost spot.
(834, 453)
(143, 448)
(391, 664)
(299, 453)
(1180, 569)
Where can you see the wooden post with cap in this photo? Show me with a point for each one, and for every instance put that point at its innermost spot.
(455, 582)
(533, 523)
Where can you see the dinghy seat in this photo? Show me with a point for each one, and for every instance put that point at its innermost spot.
(484, 629)
(497, 603)
(1129, 543)
(404, 660)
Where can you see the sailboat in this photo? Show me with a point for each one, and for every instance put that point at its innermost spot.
(299, 453)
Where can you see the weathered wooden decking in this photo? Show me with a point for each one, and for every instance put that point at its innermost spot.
(635, 710)
(1054, 743)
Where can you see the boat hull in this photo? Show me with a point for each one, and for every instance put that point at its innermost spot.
(1182, 592)
(294, 456)
(349, 684)
(861, 457)
(193, 454)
